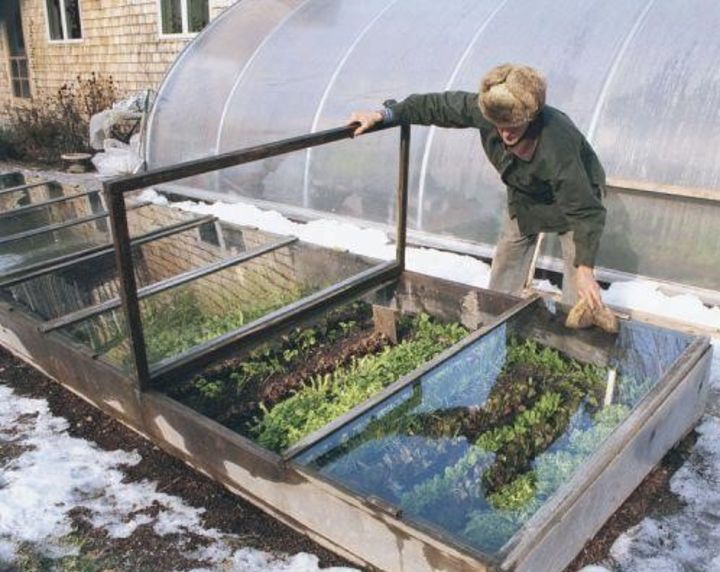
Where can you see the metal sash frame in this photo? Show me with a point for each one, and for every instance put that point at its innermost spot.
(259, 329)
(31, 271)
(27, 186)
(47, 203)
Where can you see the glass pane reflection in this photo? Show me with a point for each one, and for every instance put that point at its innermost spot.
(477, 445)
(180, 318)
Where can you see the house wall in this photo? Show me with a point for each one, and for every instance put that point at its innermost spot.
(120, 38)
(5, 86)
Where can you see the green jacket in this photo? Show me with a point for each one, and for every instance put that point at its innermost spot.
(558, 190)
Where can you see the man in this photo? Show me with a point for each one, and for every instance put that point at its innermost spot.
(554, 179)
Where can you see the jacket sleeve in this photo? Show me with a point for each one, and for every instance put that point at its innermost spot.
(581, 203)
(445, 109)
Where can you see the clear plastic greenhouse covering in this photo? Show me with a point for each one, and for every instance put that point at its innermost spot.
(638, 77)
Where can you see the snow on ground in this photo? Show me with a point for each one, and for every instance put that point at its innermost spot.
(51, 473)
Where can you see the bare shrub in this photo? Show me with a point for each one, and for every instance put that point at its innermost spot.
(51, 125)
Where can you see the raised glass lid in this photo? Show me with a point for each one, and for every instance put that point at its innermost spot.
(475, 446)
(186, 315)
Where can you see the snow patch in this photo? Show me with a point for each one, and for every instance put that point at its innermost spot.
(56, 473)
(690, 539)
(646, 296)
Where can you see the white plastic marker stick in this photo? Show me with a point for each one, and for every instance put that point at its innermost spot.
(610, 387)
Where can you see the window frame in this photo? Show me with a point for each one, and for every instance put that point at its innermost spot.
(63, 24)
(21, 80)
(185, 17)
(15, 56)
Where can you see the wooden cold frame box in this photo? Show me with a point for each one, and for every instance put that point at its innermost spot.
(368, 529)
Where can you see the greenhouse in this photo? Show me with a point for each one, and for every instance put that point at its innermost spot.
(647, 105)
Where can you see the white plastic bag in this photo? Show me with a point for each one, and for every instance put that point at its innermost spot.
(118, 159)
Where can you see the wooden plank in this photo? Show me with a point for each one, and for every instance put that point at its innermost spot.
(385, 322)
(447, 300)
(674, 191)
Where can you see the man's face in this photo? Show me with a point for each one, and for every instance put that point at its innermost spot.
(511, 135)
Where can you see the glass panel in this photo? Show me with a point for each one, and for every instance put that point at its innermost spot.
(14, 68)
(17, 254)
(94, 281)
(16, 39)
(17, 88)
(42, 216)
(54, 19)
(22, 68)
(171, 16)
(72, 19)
(198, 15)
(180, 318)
(477, 445)
(22, 253)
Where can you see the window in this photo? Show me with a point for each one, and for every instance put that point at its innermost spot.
(183, 16)
(20, 76)
(64, 19)
(19, 73)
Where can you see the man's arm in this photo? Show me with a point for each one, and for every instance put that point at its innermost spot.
(445, 109)
(581, 204)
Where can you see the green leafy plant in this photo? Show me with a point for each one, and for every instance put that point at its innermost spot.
(229, 392)
(329, 396)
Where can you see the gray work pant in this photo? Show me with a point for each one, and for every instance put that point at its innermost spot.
(513, 257)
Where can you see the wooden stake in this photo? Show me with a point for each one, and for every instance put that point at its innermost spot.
(610, 387)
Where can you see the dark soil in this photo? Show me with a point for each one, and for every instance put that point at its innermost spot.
(145, 550)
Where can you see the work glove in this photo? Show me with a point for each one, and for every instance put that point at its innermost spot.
(582, 316)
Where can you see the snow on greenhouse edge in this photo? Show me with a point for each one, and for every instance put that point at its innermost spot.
(54, 473)
(640, 295)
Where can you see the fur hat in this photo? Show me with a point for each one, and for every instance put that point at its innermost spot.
(511, 95)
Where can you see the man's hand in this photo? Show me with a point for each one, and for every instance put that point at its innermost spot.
(587, 287)
(366, 119)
